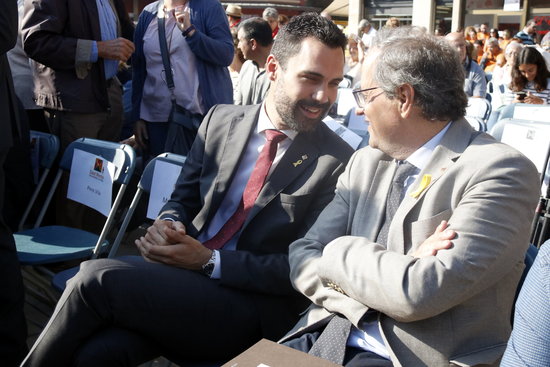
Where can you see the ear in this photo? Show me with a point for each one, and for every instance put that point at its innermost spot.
(405, 99)
(271, 67)
(253, 44)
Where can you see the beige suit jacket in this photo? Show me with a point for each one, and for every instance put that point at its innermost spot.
(449, 309)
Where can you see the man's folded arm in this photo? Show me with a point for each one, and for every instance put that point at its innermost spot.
(491, 217)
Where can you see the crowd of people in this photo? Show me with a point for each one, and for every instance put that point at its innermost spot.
(403, 253)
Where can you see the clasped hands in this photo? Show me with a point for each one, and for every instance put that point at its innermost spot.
(167, 242)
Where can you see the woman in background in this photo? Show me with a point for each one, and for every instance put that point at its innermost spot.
(530, 78)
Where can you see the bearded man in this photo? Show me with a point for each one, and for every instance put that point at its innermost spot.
(213, 278)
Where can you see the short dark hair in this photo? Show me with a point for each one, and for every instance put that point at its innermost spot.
(529, 55)
(289, 39)
(409, 55)
(257, 28)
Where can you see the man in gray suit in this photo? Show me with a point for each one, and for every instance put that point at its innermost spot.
(192, 299)
(399, 293)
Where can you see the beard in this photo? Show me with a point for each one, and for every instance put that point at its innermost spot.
(290, 111)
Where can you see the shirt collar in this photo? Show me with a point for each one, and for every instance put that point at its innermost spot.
(422, 155)
(264, 123)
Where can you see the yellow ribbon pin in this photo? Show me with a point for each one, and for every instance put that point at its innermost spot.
(426, 179)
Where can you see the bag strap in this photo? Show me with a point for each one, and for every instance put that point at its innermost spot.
(165, 55)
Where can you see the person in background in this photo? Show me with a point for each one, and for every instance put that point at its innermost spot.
(483, 33)
(366, 33)
(283, 20)
(475, 84)
(237, 63)
(502, 75)
(526, 34)
(255, 42)
(200, 49)
(234, 15)
(505, 40)
(530, 79)
(470, 34)
(477, 51)
(489, 58)
(529, 344)
(271, 15)
(392, 22)
(352, 68)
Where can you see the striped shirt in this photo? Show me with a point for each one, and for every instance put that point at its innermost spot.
(509, 95)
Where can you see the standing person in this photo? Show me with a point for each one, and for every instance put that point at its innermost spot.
(13, 328)
(200, 49)
(76, 63)
(216, 279)
(526, 34)
(366, 32)
(475, 83)
(255, 42)
(234, 14)
(483, 34)
(397, 263)
(77, 47)
(271, 15)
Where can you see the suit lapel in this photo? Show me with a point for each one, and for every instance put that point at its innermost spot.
(453, 143)
(234, 140)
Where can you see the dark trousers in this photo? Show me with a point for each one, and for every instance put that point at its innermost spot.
(13, 327)
(123, 312)
(354, 357)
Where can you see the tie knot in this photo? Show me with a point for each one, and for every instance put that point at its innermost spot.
(275, 136)
(404, 170)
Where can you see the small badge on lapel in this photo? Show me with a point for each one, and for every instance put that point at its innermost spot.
(300, 161)
(426, 179)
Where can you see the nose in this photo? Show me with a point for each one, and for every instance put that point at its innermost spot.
(321, 94)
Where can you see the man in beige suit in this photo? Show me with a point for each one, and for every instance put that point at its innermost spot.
(400, 293)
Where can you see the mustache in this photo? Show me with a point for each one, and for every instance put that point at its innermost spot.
(310, 103)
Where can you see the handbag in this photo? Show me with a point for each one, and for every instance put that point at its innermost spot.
(182, 124)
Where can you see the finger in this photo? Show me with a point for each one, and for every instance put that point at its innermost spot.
(155, 234)
(146, 250)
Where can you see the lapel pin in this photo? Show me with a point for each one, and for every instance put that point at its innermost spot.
(424, 183)
(300, 161)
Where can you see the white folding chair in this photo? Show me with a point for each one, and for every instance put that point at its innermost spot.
(479, 108)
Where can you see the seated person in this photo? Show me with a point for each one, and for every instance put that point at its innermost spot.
(475, 84)
(530, 79)
(529, 344)
(215, 267)
(416, 260)
(489, 58)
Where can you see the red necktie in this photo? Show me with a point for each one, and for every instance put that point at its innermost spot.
(251, 191)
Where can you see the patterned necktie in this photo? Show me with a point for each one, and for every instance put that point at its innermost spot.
(395, 196)
(331, 344)
(251, 191)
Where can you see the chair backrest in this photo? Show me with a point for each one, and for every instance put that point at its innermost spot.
(145, 185)
(479, 107)
(476, 123)
(44, 151)
(532, 138)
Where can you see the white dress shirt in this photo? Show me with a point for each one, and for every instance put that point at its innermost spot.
(369, 337)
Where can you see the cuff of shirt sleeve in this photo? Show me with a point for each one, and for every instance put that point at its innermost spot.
(84, 57)
(217, 272)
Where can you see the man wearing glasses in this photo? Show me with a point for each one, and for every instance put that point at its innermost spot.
(416, 260)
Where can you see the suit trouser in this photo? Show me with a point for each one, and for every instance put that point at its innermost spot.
(13, 327)
(69, 126)
(122, 312)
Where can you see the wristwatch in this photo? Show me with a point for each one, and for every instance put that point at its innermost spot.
(208, 268)
(188, 30)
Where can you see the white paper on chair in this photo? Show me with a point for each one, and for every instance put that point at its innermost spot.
(533, 113)
(532, 141)
(91, 181)
(164, 180)
(346, 134)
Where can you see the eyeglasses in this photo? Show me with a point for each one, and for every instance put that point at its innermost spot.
(362, 99)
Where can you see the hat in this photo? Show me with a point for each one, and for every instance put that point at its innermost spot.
(233, 10)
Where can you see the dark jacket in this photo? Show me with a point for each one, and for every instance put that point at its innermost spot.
(50, 34)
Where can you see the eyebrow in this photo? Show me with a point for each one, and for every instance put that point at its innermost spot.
(316, 74)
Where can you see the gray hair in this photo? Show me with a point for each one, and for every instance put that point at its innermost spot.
(363, 23)
(492, 41)
(409, 55)
(271, 13)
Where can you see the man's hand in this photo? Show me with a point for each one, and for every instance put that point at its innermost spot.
(183, 19)
(118, 49)
(140, 133)
(166, 242)
(440, 240)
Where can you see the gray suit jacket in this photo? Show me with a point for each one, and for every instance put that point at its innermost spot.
(290, 201)
(449, 309)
